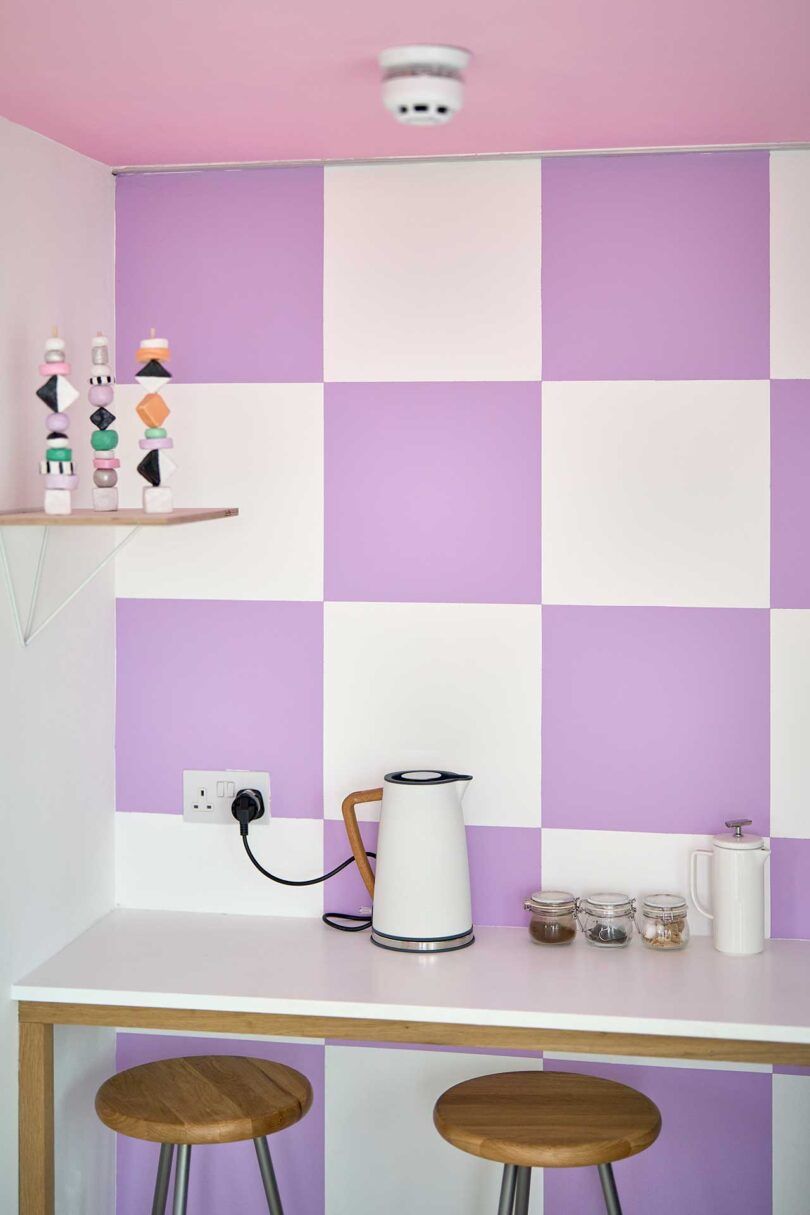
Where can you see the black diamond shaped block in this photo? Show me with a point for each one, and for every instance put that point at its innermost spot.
(47, 394)
(154, 368)
(149, 467)
(102, 418)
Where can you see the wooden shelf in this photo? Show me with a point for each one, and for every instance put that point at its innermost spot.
(132, 519)
(117, 518)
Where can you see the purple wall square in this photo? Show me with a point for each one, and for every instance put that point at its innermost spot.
(229, 267)
(432, 492)
(219, 684)
(790, 493)
(790, 888)
(713, 1156)
(226, 1177)
(504, 869)
(656, 267)
(655, 719)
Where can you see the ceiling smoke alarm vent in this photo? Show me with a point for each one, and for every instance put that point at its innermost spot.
(423, 85)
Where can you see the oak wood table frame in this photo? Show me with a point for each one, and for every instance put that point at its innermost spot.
(37, 1019)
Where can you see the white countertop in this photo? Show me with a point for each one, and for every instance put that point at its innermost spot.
(169, 959)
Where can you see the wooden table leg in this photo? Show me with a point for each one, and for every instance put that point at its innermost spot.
(36, 1119)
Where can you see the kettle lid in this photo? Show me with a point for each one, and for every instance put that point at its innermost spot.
(738, 838)
(422, 776)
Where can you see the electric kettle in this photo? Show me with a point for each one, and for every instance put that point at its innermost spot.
(421, 891)
(738, 889)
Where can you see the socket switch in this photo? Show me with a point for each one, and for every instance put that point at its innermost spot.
(207, 796)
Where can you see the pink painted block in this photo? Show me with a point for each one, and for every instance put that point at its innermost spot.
(60, 481)
(49, 369)
(155, 444)
(106, 462)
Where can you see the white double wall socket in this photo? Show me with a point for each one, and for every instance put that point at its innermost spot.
(207, 796)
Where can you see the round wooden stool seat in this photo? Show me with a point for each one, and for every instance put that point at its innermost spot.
(203, 1099)
(547, 1119)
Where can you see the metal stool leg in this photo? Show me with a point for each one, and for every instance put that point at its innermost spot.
(163, 1175)
(181, 1179)
(612, 1204)
(524, 1181)
(507, 1201)
(268, 1176)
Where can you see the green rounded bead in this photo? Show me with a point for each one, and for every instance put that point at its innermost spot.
(155, 432)
(59, 453)
(104, 440)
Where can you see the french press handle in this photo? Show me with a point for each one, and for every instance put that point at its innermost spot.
(737, 824)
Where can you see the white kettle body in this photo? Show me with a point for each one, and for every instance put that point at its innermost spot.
(738, 889)
(421, 888)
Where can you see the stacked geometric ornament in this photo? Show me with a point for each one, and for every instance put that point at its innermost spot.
(104, 440)
(157, 466)
(58, 394)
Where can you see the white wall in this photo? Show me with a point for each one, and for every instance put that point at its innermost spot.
(56, 698)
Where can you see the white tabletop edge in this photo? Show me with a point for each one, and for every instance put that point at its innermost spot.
(298, 967)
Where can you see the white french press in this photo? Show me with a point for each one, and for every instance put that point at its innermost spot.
(738, 889)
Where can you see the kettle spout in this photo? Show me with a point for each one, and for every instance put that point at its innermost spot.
(462, 786)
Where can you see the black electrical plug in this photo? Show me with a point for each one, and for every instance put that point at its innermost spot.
(247, 806)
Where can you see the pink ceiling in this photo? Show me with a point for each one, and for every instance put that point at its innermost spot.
(171, 81)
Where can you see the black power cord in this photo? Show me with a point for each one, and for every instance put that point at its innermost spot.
(247, 806)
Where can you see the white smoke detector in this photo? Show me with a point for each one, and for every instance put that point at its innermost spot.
(423, 85)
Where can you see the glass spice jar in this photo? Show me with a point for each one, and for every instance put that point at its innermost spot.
(663, 921)
(553, 917)
(607, 920)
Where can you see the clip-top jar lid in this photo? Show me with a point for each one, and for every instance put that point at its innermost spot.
(606, 904)
(558, 902)
(664, 906)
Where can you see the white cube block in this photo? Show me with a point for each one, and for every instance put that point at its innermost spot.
(105, 498)
(57, 502)
(157, 500)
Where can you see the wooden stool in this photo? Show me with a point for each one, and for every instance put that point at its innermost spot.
(204, 1099)
(552, 1120)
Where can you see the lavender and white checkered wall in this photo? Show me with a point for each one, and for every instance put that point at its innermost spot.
(521, 450)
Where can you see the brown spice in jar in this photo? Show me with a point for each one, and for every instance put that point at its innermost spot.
(665, 936)
(551, 932)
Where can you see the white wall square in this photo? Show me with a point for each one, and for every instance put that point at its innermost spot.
(632, 862)
(164, 863)
(255, 446)
(656, 493)
(790, 723)
(454, 686)
(383, 1153)
(432, 271)
(791, 1160)
(790, 265)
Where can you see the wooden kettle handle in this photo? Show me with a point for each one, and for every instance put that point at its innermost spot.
(353, 832)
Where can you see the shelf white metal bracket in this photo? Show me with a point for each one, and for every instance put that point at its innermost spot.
(25, 635)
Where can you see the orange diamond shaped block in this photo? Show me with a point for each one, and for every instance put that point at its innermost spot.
(153, 410)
